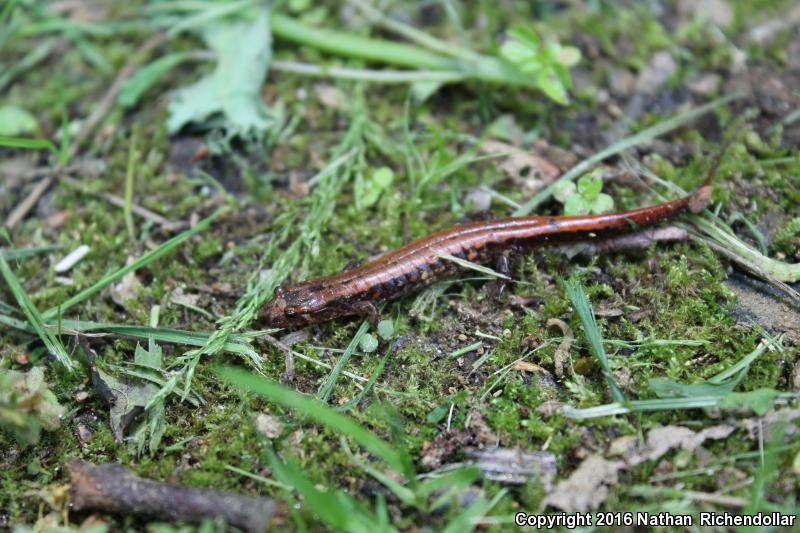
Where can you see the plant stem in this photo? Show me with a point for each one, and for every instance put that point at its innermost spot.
(484, 68)
(374, 75)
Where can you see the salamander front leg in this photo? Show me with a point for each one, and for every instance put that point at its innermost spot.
(496, 287)
(368, 310)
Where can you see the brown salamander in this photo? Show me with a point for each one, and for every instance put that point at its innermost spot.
(417, 264)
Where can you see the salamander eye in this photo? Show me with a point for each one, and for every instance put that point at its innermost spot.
(290, 312)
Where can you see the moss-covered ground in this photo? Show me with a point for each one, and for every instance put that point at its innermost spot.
(669, 291)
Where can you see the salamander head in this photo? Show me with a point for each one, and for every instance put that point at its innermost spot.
(297, 306)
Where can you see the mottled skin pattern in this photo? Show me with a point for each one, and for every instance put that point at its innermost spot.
(419, 263)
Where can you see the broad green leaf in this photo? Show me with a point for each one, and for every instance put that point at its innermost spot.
(229, 97)
(32, 144)
(563, 190)
(526, 36)
(146, 77)
(421, 90)
(602, 204)
(368, 343)
(368, 191)
(568, 56)
(552, 86)
(576, 205)
(386, 329)
(668, 388)
(15, 121)
(151, 358)
(589, 186)
(517, 53)
(759, 400)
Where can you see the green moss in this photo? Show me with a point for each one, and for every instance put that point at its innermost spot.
(670, 291)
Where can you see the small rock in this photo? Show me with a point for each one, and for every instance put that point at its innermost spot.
(268, 425)
(621, 81)
(81, 396)
(478, 201)
(656, 73)
(84, 433)
(718, 12)
(705, 84)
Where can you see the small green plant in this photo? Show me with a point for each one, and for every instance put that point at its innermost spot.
(337, 508)
(548, 62)
(368, 190)
(585, 197)
(27, 405)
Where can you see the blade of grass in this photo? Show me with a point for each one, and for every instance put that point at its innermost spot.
(237, 344)
(372, 379)
(52, 342)
(317, 411)
(643, 136)
(129, 175)
(715, 232)
(356, 46)
(335, 507)
(463, 263)
(416, 36)
(22, 253)
(592, 333)
(32, 144)
(147, 258)
(327, 388)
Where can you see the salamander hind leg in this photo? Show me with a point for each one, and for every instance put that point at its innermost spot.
(503, 266)
(368, 310)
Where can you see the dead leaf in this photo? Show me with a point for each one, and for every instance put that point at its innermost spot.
(587, 487)
(550, 408)
(331, 96)
(127, 400)
(607, 311)
(769, 420)
(622, 446)
(533, 368)
(516, 466)
(522, 166)
(660, 440)
(562, 352)
(717, 12)
(178, 297)
(436, 453)
(127, 287)
(482, 432)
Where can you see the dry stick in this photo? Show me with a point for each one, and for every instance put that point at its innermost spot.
(94, 119)
(112, 488)
(288, 355)
(165, 223)
(638, 240)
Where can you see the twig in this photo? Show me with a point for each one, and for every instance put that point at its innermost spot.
(311, 360)
(19, 212)
(112, 488)
(638, 240)
(379, 76)
(88, 127)
(107, 102)
(113, 199)
(288, 355)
